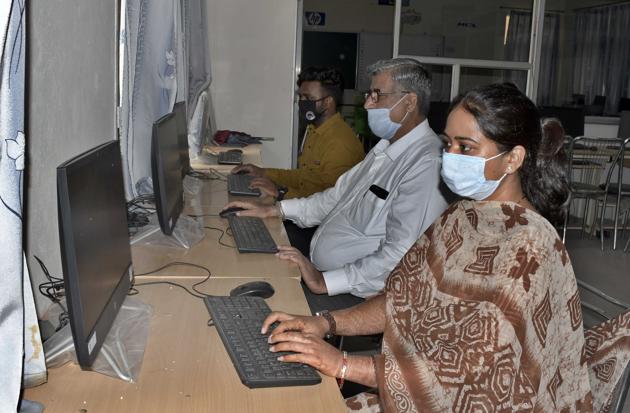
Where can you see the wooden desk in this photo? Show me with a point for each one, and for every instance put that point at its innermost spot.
(208, 158)
(186, 367)
(221, 260)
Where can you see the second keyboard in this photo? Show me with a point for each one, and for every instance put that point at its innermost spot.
(251, 235)
(239, 185)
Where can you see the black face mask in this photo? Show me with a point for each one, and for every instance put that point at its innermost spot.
(308, 110)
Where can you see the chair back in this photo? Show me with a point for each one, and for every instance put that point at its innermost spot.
(588, 159)
(624, 125)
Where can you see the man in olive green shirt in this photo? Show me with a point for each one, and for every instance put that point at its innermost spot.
(330, 146)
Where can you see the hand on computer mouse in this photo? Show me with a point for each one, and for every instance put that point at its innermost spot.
(253, 209)
(229, 211)
(249, 169)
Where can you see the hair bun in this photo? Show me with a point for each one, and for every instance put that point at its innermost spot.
(552, 141)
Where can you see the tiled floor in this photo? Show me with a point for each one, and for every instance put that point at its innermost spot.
(608, 270)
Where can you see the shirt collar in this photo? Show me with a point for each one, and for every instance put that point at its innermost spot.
(394, 150)
(329, 124)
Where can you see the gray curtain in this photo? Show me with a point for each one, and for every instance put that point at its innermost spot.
(165, 60)
(198, 56)
(602, 54)
(17, 310)
(517, 49)
(149, 81)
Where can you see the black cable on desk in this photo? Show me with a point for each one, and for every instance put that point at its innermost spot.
(194, 286)
(223, 232)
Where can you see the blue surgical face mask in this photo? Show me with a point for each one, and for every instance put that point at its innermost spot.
(380, 122)
(464, 175)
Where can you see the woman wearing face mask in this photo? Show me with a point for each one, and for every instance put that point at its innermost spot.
(483, 312)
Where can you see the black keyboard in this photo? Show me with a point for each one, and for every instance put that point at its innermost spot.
(239, 185)
(251, 235)
(230, 158)
(238, 321)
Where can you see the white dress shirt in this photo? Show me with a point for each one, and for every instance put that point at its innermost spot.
(362, 237)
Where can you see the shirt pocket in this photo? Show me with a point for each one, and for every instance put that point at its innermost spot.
(369, 214)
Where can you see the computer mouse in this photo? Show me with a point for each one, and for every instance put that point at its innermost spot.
(241, 172)
(255, 289)
(230, 211)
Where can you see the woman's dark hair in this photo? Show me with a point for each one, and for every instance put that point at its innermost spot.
(509, 118)
(330, 78)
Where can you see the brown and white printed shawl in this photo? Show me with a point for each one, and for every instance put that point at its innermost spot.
(483, 314)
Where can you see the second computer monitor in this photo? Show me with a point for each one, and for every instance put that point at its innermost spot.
(166, 170)
(182, 135)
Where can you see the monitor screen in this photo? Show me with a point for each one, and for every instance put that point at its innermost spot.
(182, 135)
(95, 251)
(166, 170)
(572, 118)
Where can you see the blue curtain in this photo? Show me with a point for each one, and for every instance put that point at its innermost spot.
(21, 353)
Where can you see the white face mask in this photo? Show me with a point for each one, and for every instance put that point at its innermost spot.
(380, 122)
(464, 175)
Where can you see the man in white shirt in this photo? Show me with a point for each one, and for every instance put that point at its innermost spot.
(376, 210)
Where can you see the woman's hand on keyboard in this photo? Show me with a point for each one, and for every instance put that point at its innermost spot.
(317, 326)
(252, 209)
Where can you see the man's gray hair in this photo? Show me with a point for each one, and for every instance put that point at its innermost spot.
(410, 75)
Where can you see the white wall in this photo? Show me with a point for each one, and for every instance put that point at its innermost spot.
(71, 89)
(252, 45)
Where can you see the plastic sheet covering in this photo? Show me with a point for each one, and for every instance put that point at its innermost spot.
(123, 349)
(187, 232)
(192, 186)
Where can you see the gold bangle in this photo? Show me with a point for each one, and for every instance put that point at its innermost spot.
(344, 368)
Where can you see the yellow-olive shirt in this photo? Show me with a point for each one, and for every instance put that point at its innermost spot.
(329, 150)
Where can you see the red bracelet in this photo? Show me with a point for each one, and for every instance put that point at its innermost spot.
(344, 367)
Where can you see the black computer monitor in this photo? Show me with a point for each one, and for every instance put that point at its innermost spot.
(166, 170)
(182, 135)
(572, 118)
(95, 251)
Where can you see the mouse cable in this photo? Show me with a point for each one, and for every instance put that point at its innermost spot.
(202, 215)
(199, 294)
(223, 232)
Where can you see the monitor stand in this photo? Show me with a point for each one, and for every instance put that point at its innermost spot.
(123, 349)
(187, 232)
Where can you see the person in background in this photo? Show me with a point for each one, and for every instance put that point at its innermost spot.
(376, 210)
(483, 312)
(329, 147)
